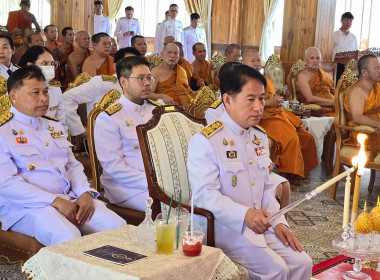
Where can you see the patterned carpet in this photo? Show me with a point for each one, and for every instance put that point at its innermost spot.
(315, 222)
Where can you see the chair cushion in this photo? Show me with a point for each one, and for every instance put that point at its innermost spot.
(364, 129)
(377, 159)
(350, 152)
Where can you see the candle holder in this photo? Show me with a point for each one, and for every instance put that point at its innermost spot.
(358, 246)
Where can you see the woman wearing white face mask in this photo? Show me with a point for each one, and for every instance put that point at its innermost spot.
(42, 57)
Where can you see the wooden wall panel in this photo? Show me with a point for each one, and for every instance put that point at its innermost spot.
(299, 28)
(325, 28)
(252, 22)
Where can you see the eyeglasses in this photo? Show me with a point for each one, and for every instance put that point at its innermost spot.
(49, 63)
(142, 79)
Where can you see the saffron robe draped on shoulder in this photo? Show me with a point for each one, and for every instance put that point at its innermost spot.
(177, 87)
(107, 67)
(17, 20)
(321, 85)
(55, 45)
(296, 152)
(187, 67)
(62, 58)
(204, 73)
(371, 110)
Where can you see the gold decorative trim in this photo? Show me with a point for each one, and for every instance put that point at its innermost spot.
(273, 61)
(212, 128)
(198, 106)
(3, 85)
(80, 80)
(154, 60)
(5, 104)
(298, 67)
(111, 97)
(217, 60)
(352, 66)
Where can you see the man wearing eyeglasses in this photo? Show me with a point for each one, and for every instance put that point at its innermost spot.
(7, 49)
(362, 99)
(171, 27)
(116, 142)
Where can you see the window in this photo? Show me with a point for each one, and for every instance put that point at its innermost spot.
(278, 24)
(149, 13)
(365, 21)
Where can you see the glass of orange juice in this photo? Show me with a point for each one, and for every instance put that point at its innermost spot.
(165, 233)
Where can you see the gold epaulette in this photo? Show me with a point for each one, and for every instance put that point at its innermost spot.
(260, 128)
(50, 118)
(212, 128)
(55, 83)
(109, 78)
(113, 109)
(216, 104)
(3, 85)
(186, 28)
(154, 102)
(5, 118)
(18, 66)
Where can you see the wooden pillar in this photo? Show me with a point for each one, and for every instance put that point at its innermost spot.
(78, 14)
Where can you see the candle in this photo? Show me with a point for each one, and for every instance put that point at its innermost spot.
(355, 199)
(346, 209)
(326, 185)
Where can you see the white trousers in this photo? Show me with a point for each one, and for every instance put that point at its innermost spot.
(136, 203)
(275, 262)
(49, 226)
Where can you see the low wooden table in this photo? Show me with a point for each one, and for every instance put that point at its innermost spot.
(67, 261)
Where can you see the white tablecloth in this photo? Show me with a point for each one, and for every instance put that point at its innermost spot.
(67, 261)
(318, 126)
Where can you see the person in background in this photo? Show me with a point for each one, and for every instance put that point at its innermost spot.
(35, 39)
(23, 18)
(194, 34)
(139, 43)
(51, 34)
(127, 27)
(76, 58)
(7, 50)
(101, 22)
(156, 42)
(24, 47)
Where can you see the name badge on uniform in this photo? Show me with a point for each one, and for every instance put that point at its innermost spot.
(231, 154)
(260, 151)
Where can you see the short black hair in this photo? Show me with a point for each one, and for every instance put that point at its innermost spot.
(98, 3)
(119, 55)
(347, 15)
(173, 5)
(195, 46)
(129, 8)
(194, 16)
(64, 30)
(363, 62)
(124, 67)
(46, 28)
(32, 54)
(16, 79)
(96, 37)
(9, 38)
(167, 12)
(234, 75)
(133, 40)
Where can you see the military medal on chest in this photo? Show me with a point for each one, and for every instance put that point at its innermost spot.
(260, 151)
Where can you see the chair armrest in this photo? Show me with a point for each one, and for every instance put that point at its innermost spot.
(210, 224)
(364, 129)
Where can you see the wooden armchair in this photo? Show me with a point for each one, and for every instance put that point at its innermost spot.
(197, 107)
(163, 142)
(275, 71)
(291, 79)
(3, 85)
(344, 153)
(133, 217)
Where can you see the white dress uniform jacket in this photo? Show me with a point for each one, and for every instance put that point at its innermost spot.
(90, 93)
(118, 149)
(344, 43)
(170, 28)
(123, 25)
(4, 70)
(192, 36)
(102, 24)
(56, 105)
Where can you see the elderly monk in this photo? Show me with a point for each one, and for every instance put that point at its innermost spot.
(296, 154)
(77, 58)
(183, 62)
(51, 34)
(100, 62)
(35, 39)
(313, 85)
(24, 47)
(23, 18)
(170, 78)
(362, 100)
(201, 67)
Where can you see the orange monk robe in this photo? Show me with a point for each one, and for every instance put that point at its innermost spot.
(177, 87)
(322, 86)
(107, 67)
(17, 20)
(371, 110)
(296, 152)
(61, 71)
(188, 68)
(55, 45)
(204, 73)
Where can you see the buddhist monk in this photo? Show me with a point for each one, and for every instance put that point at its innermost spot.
(231, 53)
(139, 43)
(35, 39)
(114, 47)
(24, 47)
(296, 152)
(362, 100)
(183, 62)
(51, 34)
(313, 85)
(201, 67)
(77, 58)
(23, 18)
(170, 78)
(100, 62)
(168, 39)
(17, 37)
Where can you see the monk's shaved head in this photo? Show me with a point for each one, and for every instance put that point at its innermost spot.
(313, 58)
(232, 52)
(170, 54)
(251, 58)
(171, 46)
(168, 39)
(312, 50)
(81, 33)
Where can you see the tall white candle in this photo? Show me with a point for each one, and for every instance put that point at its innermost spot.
(346, 207)
(326, 185)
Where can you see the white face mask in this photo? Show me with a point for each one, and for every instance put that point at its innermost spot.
(48, 71)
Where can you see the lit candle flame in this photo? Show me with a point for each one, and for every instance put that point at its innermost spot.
(360, 160)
